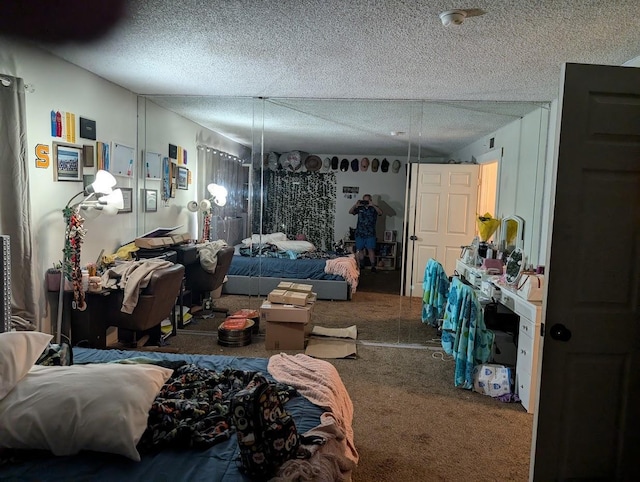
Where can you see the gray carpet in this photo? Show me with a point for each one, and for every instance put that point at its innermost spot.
(410, 423)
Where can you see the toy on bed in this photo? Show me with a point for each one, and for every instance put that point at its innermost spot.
(126, 415)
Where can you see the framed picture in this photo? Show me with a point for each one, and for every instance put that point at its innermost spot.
(150, 200)
(87, 180)
(87, 156)
(67, 162)
(389, 236)
(182, 178)
(127, 197)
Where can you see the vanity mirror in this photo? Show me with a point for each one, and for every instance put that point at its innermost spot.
(514, 266)
(512, 233)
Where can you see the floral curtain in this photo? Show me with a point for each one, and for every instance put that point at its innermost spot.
(299, 203)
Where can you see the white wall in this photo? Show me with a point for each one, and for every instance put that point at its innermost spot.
(521, 174)
(62, 86)
(387, 189)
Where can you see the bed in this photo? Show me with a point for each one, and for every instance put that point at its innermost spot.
(256, 271)
(216, 463)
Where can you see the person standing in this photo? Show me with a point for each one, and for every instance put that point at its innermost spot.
(365, 234)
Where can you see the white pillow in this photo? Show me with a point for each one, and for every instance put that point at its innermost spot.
(99, 407)
(295, 246)
(264, 238)
(19, 350)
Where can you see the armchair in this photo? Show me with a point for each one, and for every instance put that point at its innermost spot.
(155, 302)
(202, 283)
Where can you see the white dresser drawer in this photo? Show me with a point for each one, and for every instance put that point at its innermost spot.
(525, 353)
(523, 389)
(518, 305)
(528, 328)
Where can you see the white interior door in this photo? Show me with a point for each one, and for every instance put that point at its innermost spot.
(441, 218)
(586, 426)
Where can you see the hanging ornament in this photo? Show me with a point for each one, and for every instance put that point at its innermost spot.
(74, 236)
(206, 227)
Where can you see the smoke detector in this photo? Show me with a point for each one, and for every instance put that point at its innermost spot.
(457, 16)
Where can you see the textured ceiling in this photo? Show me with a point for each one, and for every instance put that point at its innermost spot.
(292, 52)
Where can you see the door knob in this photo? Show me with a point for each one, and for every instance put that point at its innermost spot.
(560, 332)
(413, 237)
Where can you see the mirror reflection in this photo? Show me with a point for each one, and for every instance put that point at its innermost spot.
(295, 168)
(512, 234)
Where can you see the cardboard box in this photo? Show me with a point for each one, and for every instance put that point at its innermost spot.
(286, 335)
(296, 298)
(286, 326)
(151, 243)
(286, 285)
(277, 296)
(281, 312)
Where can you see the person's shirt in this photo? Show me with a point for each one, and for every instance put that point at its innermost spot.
(366, 226)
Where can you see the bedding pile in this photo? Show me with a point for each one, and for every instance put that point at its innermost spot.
(345, 266)
(320, 382)
(208, 254)
(192, 409)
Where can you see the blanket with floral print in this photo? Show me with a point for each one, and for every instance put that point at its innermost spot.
(192, 408)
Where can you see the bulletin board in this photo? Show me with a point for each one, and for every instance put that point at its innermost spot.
(122, 160)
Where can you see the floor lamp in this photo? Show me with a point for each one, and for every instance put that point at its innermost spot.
(98, 197)
(218, 198)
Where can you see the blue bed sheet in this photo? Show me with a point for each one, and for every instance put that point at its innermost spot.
(303, 268)
(218, 463)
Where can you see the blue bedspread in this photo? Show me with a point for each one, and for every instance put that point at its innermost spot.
(266, 267)
(218, 463)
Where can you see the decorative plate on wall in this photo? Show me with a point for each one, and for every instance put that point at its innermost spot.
(515, 264)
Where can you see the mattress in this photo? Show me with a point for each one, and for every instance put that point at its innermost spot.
(217, 463)
(303, 268)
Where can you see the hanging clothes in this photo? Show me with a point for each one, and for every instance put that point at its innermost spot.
(435, 290)
(464, 334)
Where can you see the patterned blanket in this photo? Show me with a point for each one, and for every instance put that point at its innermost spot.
(192, 408)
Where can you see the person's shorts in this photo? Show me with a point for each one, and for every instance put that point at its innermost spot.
(369, 243)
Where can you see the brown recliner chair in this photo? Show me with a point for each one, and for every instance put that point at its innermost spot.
(155, 303)
(201, 283)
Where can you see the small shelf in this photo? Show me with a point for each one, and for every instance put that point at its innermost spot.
(386, 254)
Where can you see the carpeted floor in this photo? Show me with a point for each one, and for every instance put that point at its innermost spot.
(410, 423)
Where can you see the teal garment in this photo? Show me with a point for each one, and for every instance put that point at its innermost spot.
(464, 334)
(435, 290)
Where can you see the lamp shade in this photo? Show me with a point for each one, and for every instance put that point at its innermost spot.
(110, 210)
(103, 184)
(113, 200)
(205, 205)
(192, 206)
(216, 190)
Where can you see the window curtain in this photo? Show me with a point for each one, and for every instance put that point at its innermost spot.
(300, 203)
(15, 209)
(227, 170)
